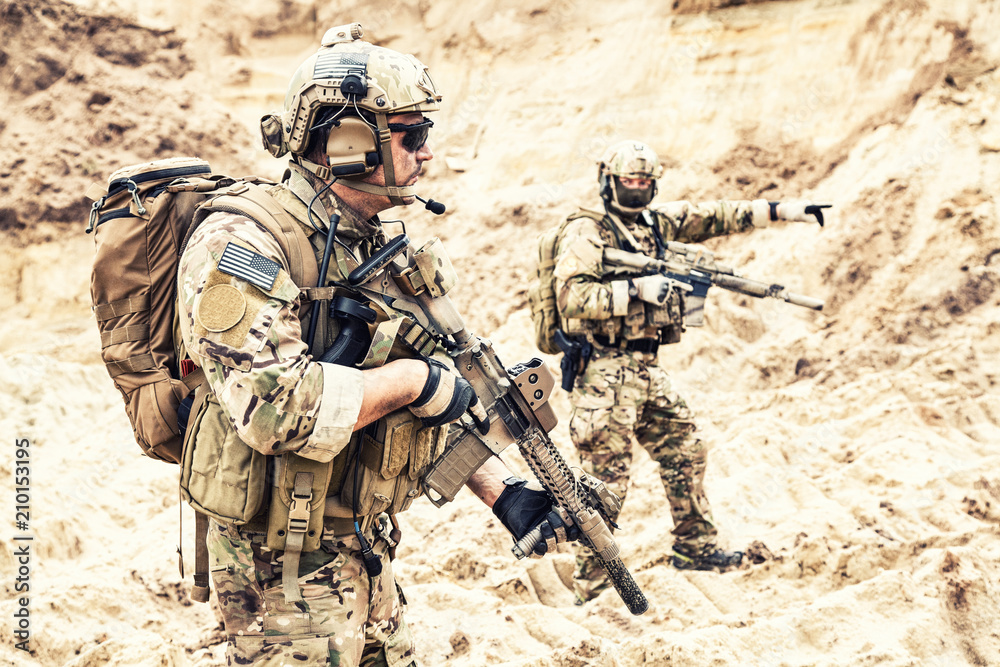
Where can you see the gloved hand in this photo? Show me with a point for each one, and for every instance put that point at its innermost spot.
(524, 506)
(445, 397)
(652, 289)
(798, 211)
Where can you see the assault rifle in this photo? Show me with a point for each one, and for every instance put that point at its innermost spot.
(696, 266)
(515, 399)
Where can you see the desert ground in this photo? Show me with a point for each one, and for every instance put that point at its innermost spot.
(855, 452)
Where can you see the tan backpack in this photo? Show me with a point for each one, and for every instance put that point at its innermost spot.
(542, 292)
(140, 222)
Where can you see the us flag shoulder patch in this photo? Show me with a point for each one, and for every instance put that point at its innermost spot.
(248, 265)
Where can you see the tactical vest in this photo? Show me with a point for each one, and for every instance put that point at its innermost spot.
(643, 320)
(378, 471)
(391, 454)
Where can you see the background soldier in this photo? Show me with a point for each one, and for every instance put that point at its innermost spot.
(623, 392)
(354, 123)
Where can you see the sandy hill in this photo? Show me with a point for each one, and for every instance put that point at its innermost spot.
(854, 450)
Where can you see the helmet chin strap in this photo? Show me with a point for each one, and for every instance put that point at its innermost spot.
(322, 172)
(394, 192)
(390, 189)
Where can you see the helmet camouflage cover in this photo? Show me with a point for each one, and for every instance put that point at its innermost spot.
(631, 159)
(393, 83)
(348, 74)
(628, 159)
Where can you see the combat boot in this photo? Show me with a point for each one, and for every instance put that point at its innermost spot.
(709, 559)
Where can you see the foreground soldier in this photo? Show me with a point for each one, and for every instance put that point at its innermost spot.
(623, 392)
(353, 122)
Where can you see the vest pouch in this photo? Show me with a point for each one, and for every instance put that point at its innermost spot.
(221, 475)
(383, 483)
(634, 323)
(611, 327)
(668, 313)
(428, 446)
(298, 497)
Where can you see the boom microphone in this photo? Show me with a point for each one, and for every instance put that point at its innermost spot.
(435, 207)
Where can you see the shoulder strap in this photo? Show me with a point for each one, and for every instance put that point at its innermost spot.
(255, 203)
(260, 206)
(202, 587)
(586, 213)
(621, 233)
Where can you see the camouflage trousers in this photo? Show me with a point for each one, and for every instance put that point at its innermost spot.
(624, 395)
(345, 618)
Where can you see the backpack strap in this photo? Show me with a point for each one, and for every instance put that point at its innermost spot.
(193, 379)
(255, 203)
(621, 233)
(201, 590)
(586, 213)
(252, 201)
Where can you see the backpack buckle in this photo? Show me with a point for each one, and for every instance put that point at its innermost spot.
(298, 512)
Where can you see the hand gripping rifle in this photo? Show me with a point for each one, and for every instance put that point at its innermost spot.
(696, 266)
(515, 399)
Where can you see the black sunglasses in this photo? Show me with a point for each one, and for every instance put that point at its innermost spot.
(416, 134)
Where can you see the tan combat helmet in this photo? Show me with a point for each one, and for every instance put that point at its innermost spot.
(629, 159)
(351, 87)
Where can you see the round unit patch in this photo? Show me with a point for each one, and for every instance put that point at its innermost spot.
(221, 308)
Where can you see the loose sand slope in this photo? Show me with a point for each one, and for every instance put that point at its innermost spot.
(854, 451)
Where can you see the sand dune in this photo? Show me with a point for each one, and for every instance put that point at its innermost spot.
(854, 451)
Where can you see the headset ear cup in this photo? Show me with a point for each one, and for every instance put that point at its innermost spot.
(352, 148)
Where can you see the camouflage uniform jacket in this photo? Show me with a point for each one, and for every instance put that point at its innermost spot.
(249, 339)
(585, 296)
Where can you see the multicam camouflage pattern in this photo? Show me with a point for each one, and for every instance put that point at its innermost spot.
(631, 159)
(261, 373)
(258, 368)
(268, 387)
(436, 268)
(626, 394)
(582, 293)
(345, 617)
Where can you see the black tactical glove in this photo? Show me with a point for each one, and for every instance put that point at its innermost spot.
(798, 211)
(523, 507)
(445, 397)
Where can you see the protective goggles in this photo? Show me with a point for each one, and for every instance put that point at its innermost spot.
(415, 135)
